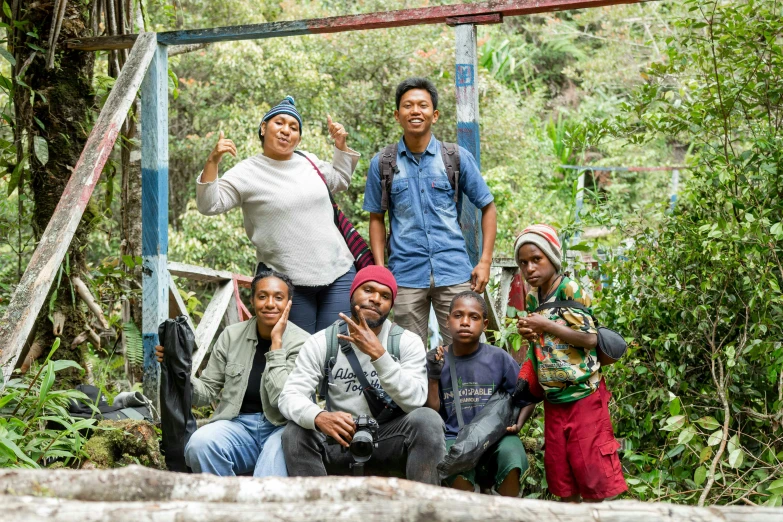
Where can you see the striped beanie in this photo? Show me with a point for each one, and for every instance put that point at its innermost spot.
(287, 106)
(545, 238)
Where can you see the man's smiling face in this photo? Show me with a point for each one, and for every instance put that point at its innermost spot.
(416, 113)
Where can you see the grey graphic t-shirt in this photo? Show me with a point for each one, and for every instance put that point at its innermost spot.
(479, 375)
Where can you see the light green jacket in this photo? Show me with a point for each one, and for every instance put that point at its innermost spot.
(228, 371)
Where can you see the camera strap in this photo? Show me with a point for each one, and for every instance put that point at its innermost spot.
(455, 387)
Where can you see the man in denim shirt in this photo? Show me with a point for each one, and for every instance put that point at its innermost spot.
(428, 256)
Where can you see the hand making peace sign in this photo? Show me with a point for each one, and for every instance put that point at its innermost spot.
(362, 336)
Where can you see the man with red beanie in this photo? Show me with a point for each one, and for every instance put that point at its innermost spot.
(364, 367)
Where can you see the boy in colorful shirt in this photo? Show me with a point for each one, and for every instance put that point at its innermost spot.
(563, 370)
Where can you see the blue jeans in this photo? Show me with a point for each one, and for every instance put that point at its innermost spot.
(246, 443)
(316, 307)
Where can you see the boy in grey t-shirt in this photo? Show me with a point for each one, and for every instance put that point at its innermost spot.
(481, 370)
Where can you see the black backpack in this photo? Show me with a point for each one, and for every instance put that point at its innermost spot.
(80, 410)
(388, 166)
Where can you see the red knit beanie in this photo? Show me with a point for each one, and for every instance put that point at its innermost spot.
(377, 274)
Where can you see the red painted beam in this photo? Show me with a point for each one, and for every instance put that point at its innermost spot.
(494, 18)
(336, 24)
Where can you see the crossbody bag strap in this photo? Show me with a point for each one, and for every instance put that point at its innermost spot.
(323, 178)
(347, 350)
(563, 304)
(455, 388)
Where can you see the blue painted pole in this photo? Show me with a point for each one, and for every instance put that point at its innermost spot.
(155, 213)
(675, 188)
(466, 78)
(580, 196)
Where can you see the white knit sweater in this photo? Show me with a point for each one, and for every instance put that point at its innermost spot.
(287, 213)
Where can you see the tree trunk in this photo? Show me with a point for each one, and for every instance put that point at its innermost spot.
(56, 108)
(137, 494)
(131, 222)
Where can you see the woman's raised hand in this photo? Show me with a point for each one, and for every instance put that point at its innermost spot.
(338, 133)
(223, 145)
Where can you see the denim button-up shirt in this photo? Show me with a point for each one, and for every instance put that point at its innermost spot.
(426, 239)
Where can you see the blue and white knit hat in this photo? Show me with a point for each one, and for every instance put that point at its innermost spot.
(287, 106)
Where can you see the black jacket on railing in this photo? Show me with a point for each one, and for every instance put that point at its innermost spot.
(177, 420)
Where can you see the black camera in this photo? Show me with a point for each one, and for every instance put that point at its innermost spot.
(364, 441)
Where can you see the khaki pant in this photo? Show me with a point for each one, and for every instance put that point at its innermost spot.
(412, 308)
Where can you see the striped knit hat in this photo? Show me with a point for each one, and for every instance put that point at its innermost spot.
(545, 238)
(287, 106)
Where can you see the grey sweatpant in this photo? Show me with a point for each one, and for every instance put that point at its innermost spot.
(413, 444)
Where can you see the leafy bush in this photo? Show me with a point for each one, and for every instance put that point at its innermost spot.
(35, 427)
(700, 396)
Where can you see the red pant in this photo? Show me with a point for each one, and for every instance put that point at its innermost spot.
(580, 452)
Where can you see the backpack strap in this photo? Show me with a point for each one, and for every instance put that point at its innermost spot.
(450, 154)
(388, 167)
(332, 346)
(393, 341)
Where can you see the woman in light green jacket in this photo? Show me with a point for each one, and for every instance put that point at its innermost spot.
(247, 369)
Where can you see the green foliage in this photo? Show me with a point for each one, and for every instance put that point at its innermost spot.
(34, 423)
(134, 347)
(700, 394)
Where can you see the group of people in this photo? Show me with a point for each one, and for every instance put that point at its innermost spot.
(294, 383)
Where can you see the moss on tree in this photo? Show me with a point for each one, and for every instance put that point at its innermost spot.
(122, 443)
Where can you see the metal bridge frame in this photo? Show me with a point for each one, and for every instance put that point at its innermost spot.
(149, 59)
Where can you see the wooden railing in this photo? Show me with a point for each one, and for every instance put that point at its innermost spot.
(31, 292)
(225, 308)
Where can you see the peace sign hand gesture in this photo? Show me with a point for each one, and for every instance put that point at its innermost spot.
(362, 336)
(337, 133)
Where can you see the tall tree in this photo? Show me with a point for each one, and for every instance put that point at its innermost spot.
(53, 105)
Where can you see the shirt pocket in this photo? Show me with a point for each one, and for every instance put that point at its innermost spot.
(443, 194)
(232, 388)
(400, 195)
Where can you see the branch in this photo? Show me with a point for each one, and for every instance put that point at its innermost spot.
(719, 384)
(54, 32)
(86, 296)
(137, 494)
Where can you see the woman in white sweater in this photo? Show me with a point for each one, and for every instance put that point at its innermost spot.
(287, 212)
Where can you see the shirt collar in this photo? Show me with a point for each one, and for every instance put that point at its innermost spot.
(432, 147)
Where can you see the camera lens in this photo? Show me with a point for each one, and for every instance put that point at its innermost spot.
(362, 446)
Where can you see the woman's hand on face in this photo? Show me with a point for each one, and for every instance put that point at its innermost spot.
(279, 329)
(222, 146)
(338, 133)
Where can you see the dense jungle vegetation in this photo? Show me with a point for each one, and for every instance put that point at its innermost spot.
(698, 401)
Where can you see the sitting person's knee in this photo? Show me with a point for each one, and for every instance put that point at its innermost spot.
(199, 444)
(426, 420)
(292, 437)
